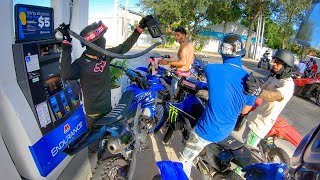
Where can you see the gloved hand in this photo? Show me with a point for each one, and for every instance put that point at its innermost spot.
(253, 86)
(265, 171)
(142, 23)
(63, 28)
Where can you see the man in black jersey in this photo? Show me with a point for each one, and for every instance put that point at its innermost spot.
(92, 68)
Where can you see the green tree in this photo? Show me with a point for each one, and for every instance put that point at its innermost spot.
(273, 40)
(288, 15)
(251, 12)
(224, 12)
(187, 13)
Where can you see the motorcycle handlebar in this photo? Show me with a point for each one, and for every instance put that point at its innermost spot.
(154, 58)
(135, 76)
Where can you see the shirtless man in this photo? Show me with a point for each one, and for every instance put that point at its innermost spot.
(185, 57)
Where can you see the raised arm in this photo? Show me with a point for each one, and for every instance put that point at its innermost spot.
(69, 71)
(127, 44)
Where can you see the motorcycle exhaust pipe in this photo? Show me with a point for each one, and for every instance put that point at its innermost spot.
(115, 145)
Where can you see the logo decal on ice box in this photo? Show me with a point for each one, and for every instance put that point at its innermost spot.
(66, 128)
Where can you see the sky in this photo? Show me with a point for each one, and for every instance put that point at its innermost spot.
(100, 8)
(97, 8)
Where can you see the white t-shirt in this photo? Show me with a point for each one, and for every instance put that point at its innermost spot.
(302, 67)
(264, 116)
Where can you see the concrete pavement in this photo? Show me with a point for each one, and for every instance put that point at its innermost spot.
(155, 151)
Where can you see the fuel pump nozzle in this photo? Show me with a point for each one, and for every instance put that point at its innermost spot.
(153, 28)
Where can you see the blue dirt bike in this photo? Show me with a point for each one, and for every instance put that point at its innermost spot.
(184, 114)
(126, 127)
(165, 76)
(197, 68)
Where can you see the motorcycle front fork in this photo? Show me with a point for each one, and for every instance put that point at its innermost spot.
(265, 146)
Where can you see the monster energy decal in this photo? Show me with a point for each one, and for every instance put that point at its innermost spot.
(173, 114)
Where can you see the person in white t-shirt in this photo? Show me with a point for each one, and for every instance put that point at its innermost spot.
(302, 67)
(275, 92)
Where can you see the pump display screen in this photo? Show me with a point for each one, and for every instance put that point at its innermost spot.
(53, 85)
(33, 23)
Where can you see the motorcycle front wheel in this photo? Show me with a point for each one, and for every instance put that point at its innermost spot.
(159, 118)
(277, 155)
(259, 64)
(168, 135)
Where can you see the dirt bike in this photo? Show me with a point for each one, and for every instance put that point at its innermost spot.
(264, 62)
(165, 76)
(124, 130)
(198, 68)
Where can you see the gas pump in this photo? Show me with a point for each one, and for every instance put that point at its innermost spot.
(58, 117)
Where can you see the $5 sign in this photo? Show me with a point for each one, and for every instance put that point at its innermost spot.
(44, 21)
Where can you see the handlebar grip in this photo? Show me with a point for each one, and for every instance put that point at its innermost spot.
(119, 67)
(168, 56)
(131, 74)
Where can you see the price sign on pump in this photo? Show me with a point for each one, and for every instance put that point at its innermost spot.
(33, 23)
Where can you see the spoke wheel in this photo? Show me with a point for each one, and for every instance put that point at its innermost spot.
(158, 118)
(111, 169)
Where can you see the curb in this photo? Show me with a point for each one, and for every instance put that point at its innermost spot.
(198, 53)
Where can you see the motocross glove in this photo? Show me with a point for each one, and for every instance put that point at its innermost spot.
(63, 28)
(265, 171)
(253, 86)
(142, 23)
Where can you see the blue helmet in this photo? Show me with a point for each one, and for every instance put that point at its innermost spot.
(231, 46)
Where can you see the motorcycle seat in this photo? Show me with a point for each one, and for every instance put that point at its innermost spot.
(230, 143)
(119, 112)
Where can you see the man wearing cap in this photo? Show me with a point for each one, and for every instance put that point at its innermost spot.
(276, 92)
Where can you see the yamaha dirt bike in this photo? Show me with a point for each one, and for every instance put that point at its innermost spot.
(165, 76)
(125, 128)
(198, 67)
(183, 115)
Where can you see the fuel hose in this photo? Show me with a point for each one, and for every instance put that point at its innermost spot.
(112, 54)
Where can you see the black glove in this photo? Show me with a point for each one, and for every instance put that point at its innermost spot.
(142, 23)
(253, 86)
(240, 122)
(63, 28)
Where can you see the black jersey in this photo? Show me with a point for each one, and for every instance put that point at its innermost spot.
(94, 75)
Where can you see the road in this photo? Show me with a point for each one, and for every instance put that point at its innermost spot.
(302, 113)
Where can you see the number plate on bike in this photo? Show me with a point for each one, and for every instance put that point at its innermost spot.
(188, 84)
